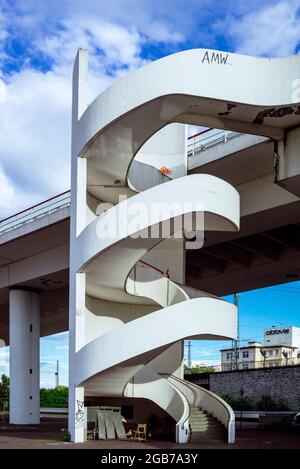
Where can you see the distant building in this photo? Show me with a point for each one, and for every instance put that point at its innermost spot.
(282, 336)
(256, 355)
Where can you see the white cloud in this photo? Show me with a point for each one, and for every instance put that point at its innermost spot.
(12, 196)
(34, 138)
(3, 29)
(113, 50)
(62, 347)
(272, 30)
(4, 360)
(3, 37)
(48, 369)
(159, 31)
(35, 119)
(35, 105)
(3, 91)
(157, 20)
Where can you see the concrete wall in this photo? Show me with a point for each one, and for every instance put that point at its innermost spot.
(280, 383)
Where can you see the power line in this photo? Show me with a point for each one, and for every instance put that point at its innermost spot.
(264, 313)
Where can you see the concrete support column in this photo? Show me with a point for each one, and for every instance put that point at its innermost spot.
(24, 339)
(77, 421)
(77, 418)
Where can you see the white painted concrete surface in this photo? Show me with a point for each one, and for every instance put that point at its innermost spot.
(24, 318)
(103, 261)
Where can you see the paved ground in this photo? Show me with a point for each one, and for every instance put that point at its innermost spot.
(50, 435)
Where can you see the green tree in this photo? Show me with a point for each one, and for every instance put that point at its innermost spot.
(57, 397)
(190, 370)
(4, 390)
(239, 402)
(247, 403)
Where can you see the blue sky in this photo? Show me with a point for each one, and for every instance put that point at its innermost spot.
(258, 309)
(38, 42)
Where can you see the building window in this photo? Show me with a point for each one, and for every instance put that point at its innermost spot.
(245, 366)
(228, 355)
(271, 353)
(277, 352)
(245, 354)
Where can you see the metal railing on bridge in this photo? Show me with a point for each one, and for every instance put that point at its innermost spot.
(37, 211)
(196, 144)
(207, 139)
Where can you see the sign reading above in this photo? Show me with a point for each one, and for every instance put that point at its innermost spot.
(277, 331)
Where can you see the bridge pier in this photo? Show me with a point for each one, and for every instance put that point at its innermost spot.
(76, 414)
(24, 336)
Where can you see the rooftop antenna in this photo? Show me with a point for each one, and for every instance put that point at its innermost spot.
(189, 354)
(236, 342)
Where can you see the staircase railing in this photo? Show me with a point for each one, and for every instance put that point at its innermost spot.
(209, 402)
(183, 425)
(159, 287)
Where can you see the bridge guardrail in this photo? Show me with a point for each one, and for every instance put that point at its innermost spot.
(37, 211)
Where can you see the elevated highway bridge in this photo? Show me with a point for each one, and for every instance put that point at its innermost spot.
(57, 275)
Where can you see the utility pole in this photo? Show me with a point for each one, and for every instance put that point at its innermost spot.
(236, 343)
(189, 353)
(57, 374)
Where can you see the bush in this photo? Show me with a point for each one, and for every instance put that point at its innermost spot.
(191, 370)
(57, 397)
(272, 405)
(66, 435)
(4, 390)
(239, 403)
(247, 403)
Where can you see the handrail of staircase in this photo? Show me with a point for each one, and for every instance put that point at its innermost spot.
(165, 274)
(230, 423)
(182, 426)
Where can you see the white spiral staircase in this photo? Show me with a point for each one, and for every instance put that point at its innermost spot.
(129, 307)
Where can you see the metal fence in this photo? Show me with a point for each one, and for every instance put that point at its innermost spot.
(204, 369)
(267, 363)
(207, 139)
(37, 211)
